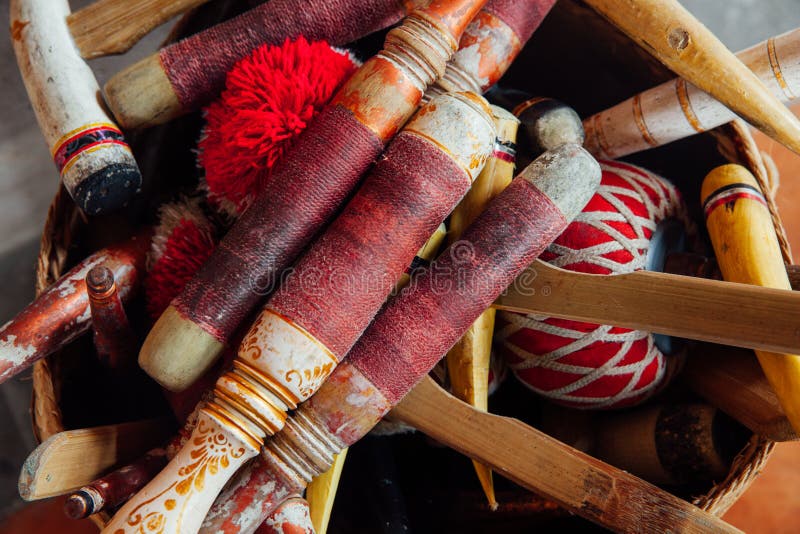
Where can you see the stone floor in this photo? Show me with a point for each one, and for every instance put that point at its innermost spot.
(28, 181)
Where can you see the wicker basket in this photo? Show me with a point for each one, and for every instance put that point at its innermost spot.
(568, 62)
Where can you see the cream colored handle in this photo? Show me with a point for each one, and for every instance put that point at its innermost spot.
(677, 109)
(669, 32)
(177, 500)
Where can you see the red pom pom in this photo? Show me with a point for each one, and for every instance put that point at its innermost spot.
(270, 97)
(587, 365)
(183, 241)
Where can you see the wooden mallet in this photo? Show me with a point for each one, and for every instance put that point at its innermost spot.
(669, 32)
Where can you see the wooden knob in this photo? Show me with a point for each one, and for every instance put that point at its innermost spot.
(747, 251)
(547, 124)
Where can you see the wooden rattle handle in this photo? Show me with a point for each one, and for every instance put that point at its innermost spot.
(678, 109)
(94, 160)
(667, 30)
(747, 251)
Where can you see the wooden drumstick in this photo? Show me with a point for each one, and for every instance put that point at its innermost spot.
(114, 26)
(320, 310)
(94, 160)
(665, 29)
(469, 360)
(415, 329)
(185, 76)
(61, 312)
(677, 109)
(747, 251)
(192, 331)
(321, 492)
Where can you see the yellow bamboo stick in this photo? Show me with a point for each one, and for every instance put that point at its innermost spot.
(469, 359)
(747, 251)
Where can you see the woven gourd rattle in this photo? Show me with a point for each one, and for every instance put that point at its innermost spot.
(587, 365)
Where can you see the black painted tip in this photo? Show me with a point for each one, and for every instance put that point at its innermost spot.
(108, 189)
(78, 505)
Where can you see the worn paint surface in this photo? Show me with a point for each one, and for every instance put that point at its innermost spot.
(677, 109)
(61, 313)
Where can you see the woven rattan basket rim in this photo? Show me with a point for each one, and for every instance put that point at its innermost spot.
(64, 224)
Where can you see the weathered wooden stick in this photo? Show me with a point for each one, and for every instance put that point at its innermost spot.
(677, 109)
(61, 312)
(584, 485)
(114, 26)
(747, 251)
(731, 379)
(187, 75)
(114, 339)
(662, 303)
(414, 330)
(192, 331)
(73, 458)
(95, 163)
(469, 360)
(336, 288)
(665, 29)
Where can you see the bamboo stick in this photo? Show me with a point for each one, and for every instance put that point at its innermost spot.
(73, 458)
(662, 303)
(469, 360)
(747, 251)
(113, 26)
(668, 31)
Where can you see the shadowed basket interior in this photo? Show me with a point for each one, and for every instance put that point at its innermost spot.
(575, 56)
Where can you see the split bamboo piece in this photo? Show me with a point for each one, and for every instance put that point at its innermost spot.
(114, 26)
(668, 31)
(469, 360)
(747, 251)
(584, 485)
(662, 303)
(321, 492)
(677, 109)
(73, 458)
(731, 379)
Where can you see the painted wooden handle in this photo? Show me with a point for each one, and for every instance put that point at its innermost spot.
(114, 26)
(662, 303)
(665, 29)
(94, 160)
(61, 312)
(587, 487)
(677, 109)
(747, 251)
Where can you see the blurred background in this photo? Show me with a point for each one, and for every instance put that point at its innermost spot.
(28, 181)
